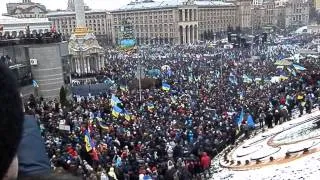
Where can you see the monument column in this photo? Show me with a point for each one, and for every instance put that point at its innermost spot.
(80, 13)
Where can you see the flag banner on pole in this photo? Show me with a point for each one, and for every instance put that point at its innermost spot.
(150, 107)
(116, 111)
(166, 87)
(298, 67)
(250, 121)
(115, 100)
(88, 141)
(34, 83)
(240, 119)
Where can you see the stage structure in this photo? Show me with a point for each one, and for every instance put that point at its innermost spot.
(87, 56)
(126, 40)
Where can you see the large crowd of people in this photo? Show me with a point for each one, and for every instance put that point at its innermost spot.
(173, 131)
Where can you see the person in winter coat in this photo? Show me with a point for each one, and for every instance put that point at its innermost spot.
(276, 117)
(112, 175)
(269, 119)
(205, 161)
(262, 118)
(301, 108)
(284, 114)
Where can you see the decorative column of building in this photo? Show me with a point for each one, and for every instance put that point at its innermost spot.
(85, 62)
(97, 63)
(71, 64)
(74, 60)
(102, 62)
(81, 65)
(184, 34)
(77, 65)
(89, 69)
(191, 34)
(196, 32)
(183, 15)
(187, 34)
(186, 15)
(85, 65)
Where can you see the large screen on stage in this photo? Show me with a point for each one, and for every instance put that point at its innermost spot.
(127, 43)
(127, 40)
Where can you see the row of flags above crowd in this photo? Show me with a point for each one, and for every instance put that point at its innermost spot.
(246, 79)
(117, 109)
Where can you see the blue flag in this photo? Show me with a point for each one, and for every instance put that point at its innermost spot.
(240, 119)
(34, 83)
(250, 121)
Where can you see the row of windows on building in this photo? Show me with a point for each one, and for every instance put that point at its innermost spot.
(146, 20)
(144, 14)
(17, 33)
(154, 35)
(298, 18)
(72, 21)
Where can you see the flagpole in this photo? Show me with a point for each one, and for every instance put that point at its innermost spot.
(140, 95)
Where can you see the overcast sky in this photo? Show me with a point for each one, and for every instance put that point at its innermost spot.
(62, 4)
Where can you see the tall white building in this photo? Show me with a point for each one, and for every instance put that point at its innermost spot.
(98, 21)
(172, 21)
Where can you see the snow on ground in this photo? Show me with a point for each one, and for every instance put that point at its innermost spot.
(300, 131)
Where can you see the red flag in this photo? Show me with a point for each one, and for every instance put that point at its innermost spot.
(53, 28)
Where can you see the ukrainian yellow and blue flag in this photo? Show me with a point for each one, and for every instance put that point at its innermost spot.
(123, 88)
(241, 95)
(116, 111)
(150, 107)
(88, 141)
(127, 115)
(115, 100)
(166, 87)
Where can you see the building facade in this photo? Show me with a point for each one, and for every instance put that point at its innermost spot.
(47, 71)
(174, 22)
(257, 2)
(26, 9)
(316, 5)
(15, 26)
(98, 21)
(296, 13)
(244, 14)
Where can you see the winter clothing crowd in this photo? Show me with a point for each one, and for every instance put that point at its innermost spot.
(172, 134)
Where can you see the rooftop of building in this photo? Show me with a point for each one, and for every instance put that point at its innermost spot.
(12, 20)
(24, 6)
(68, 12)
(156, 4)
